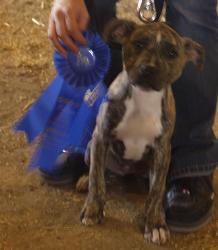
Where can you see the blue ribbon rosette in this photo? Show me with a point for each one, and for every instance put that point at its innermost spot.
(64, 116)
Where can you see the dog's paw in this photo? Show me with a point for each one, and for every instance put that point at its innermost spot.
(157, 235)
(82, 184)
(92, 213)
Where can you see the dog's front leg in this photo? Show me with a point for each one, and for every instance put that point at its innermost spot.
(156, 229)
(92, 212)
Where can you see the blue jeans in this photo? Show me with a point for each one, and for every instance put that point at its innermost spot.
(194, 145)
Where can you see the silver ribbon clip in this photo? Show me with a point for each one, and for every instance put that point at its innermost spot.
(146, 10)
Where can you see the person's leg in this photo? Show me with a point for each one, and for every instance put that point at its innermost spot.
(195, 148)
(101, 12)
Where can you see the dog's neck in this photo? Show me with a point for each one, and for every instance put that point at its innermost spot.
(121, 85)
(147, 100)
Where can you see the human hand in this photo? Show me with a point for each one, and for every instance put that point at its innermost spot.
(68, 18)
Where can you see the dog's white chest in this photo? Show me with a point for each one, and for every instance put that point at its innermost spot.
(141, 123)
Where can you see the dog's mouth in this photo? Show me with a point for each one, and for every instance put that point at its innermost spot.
(148, 80)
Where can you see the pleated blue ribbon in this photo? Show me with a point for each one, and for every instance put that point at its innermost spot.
(64, 116)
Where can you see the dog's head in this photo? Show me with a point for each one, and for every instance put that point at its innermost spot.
(154, 54)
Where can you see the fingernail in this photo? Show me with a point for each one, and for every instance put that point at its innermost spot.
(76, 51)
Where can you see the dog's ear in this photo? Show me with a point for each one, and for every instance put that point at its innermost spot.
(118, 30)
(194, 52)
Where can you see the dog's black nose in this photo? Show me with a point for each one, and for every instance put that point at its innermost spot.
(147, 70)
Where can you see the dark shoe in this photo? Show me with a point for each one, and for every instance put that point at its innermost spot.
(189, 203)
(68, 172)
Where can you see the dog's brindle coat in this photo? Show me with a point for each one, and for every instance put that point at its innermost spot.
(135, 125)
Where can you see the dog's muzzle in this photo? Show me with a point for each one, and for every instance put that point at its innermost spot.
(146, 77)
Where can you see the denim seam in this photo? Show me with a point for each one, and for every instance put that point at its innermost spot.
(193, 170)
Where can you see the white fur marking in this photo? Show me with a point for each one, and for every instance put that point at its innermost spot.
(158, 37)
(100, 117)
(163, 235)
(155, 236)
(141, 123)
(118, 86)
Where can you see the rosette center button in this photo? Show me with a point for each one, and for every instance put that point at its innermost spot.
(85, 60)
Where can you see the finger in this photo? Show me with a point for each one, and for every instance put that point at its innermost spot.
(58, 46)
(83, 21)
(74, 29)
(68, 42)
(52, 35)
(63, 34)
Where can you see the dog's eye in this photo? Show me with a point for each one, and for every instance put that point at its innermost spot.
(172, 53)
(169, 50)
(138, 45)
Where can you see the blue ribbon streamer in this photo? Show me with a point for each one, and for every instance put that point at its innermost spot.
(64, 116)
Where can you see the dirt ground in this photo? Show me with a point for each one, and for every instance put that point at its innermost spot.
(32, 214)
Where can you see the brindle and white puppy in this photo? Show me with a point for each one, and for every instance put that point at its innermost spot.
(134, 127)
